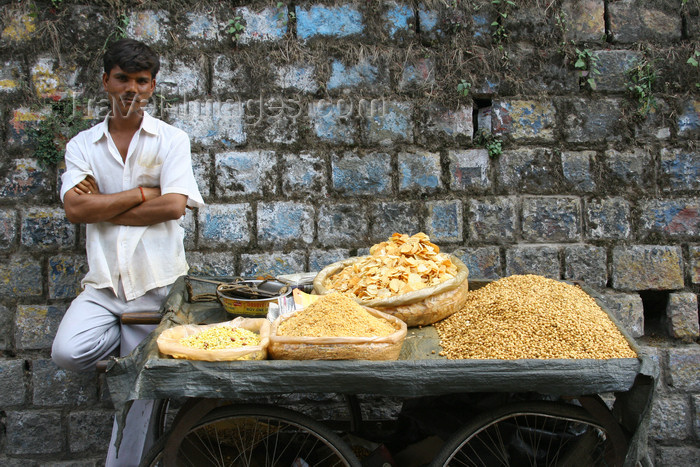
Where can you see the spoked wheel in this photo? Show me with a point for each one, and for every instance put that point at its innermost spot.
(536, 433)
(255, 435)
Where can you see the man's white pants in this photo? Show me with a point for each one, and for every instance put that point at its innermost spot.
(90, 331)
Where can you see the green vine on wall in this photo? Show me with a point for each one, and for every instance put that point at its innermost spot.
(641, 81)
(51, 135)
(491, 143)
(587, 64)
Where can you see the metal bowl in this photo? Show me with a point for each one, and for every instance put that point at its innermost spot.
(252, 306)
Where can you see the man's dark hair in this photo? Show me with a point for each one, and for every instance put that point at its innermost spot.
(131, 56)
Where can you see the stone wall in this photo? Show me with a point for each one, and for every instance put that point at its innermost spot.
(508, 133)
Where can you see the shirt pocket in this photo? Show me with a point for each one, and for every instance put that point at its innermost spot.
(148, 171)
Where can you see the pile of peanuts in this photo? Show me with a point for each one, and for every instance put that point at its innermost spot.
(531, 317)
(335, 315)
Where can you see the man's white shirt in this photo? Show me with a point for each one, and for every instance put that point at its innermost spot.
(141, 257)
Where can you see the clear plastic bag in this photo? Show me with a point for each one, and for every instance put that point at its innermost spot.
(169, 341)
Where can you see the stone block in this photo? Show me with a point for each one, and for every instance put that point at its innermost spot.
(419, 171)
(361, 174)
(469, 169)
(47, 228)
(631, 23)
(417, 75)
(647, 267)
(445, 221)
(670, 217)
(36, 326)
(391, 126)
(680, 170)
(429, 21)
(614, 66)
(608, 218)
(342, 224)
(303, 174)
(188, 224)
(319, 259)
(202, 27)
(630, 168)
(181, 78)
(493, 220)
(20, 276)
(225, 225)
(655, 125)
(325, 21)
(228, 78)
(627, 308)
(299, 77)
(484, 263)
(201, 166)
(10, 76)
(210, 121)
(585, 19)
(246, 173)
(52, 80)
(390, 217)
(689, 120)
(448, 125)
(677, 455)
(151, 27)
(523, 120)
(696, 417)
(272, 264)
(25, 179)
(280, 223)
(694, 264)
(65, 274)
(399, 20)
(8, 228)
(590, 121)
(333, 123)
(90, 430)
(551, 219)
(217, 264)
(576, 167)
(7, 321)
(527, 170)
(33, 432)
(54, 386)
(682, 315)
(586, 263)
(19, 26)
(527, 259)
(683, 364)
(668, 417)
(12, 384)
(269, 24)
(362, 75)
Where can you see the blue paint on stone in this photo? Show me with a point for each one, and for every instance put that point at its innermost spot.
(328, 21)
(689, 119)
(361, 74)
(445, 221)
(393, 125)
(332, 123)
(366, 175)
(483, 262)
(420, 170)
(224, 224)
(672, 217)
(482, 26)
(680, 169)
(283, 222)
(397, 19)
(65, 274)
(608, 219)
(428, 20)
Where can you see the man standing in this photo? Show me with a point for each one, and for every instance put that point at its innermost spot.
(129, 179)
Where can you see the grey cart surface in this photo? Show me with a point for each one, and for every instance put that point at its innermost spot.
(419, 371)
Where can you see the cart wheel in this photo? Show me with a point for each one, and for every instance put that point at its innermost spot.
(256, 435)
(535, 433)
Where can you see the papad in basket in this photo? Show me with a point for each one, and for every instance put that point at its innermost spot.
(338, 348)
(169, 341)
(417, 308)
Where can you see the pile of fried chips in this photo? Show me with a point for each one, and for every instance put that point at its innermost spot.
(400, 265)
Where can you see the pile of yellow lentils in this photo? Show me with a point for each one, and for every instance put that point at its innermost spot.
(221, 337)
(335, 315)
(531, 317)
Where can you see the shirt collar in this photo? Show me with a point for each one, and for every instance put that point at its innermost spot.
(148, 124)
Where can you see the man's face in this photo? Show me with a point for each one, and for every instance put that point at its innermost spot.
(128, 92)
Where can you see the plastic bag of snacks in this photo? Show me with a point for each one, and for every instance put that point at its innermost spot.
(238, 339)
(335, 327)
(406, 277)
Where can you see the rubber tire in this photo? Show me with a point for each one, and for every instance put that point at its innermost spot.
(302, 421)
(549, 409)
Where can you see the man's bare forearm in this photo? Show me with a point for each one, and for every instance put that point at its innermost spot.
(164, 208)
